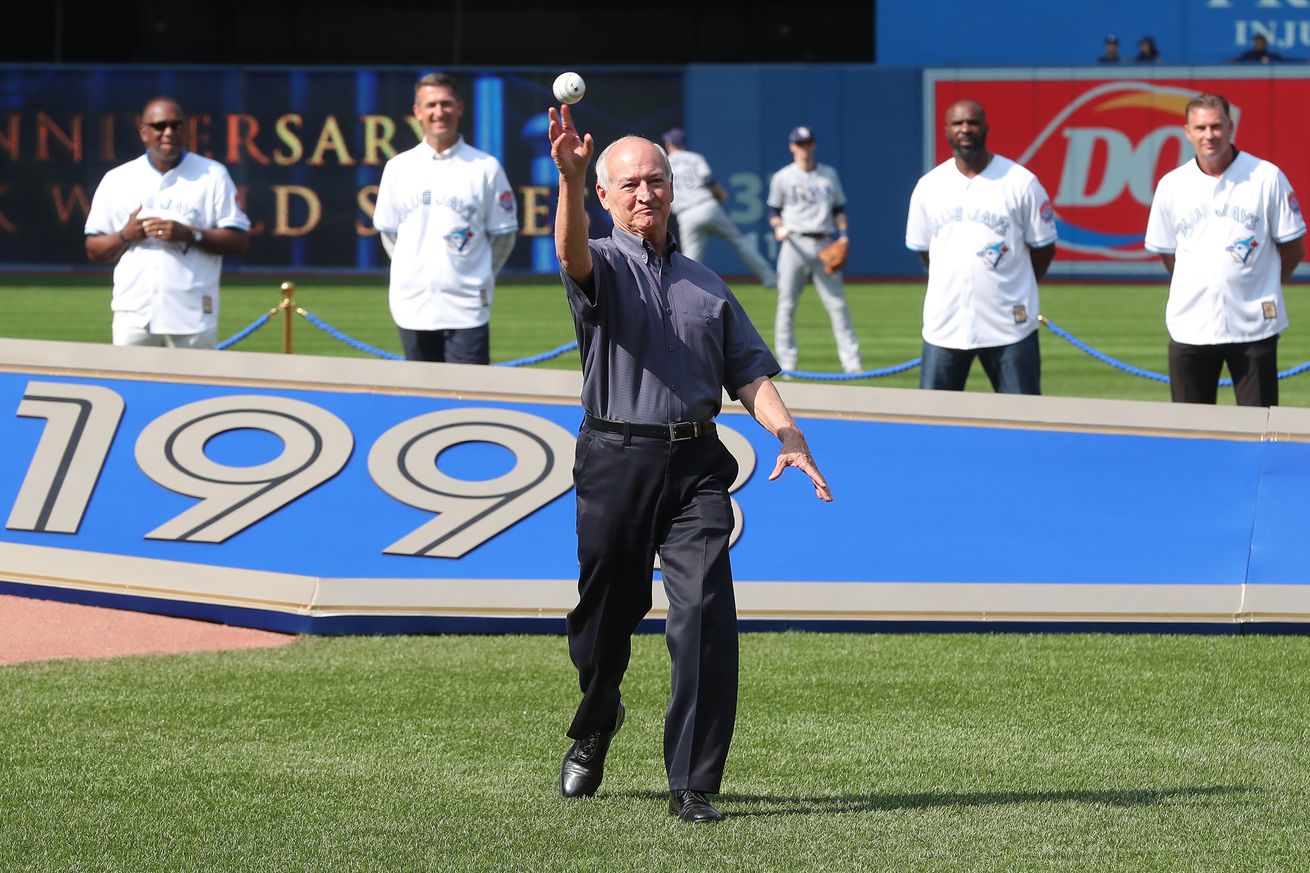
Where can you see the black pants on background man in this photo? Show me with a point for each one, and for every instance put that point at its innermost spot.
(1194, 371)
(650, 495)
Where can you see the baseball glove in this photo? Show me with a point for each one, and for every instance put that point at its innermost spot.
(834, 255)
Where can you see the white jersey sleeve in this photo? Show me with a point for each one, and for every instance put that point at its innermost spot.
(918, 230)
(1286, 222)
(500, 212)
(107, 213)
(775, 200)
(386, 210)
(838, 195)
(1160, 236)
(1039, 216)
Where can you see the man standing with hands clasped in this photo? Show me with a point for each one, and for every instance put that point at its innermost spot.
(1228, 228)
(661, 337)
(167, 218)
(985, 230)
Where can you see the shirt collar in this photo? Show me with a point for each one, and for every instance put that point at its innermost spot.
(151, 164)
(448, 153)
(636, 247)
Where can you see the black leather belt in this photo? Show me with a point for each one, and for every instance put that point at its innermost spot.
(674, 432)
(816, 235)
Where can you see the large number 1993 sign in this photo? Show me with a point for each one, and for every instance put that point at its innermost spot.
(82, 421)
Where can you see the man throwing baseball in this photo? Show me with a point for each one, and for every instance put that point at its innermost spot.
(661, 338)
(985, 230)
(1228, 228)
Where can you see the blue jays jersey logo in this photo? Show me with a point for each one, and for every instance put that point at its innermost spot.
(993, 254)
(1242, 249)
(459, 238)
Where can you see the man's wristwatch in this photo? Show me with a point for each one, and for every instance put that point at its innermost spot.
(196, 235)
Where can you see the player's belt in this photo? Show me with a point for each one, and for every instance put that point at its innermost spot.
(673, 432)
(816, 235)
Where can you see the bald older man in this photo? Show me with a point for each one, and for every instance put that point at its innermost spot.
(661, 338)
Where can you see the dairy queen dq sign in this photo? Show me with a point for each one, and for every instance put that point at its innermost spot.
(1100, 143)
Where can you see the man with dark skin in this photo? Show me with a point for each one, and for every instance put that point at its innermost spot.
(985, 230)
(167, 218)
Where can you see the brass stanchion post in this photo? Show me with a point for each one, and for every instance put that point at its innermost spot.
(288, 289)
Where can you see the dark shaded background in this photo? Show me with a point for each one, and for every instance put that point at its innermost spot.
(444, 32)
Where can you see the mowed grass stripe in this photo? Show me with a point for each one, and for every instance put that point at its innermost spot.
(924, 752)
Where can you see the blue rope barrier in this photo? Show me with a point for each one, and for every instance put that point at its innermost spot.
(848, 377)
(1138, 371)
(346, 338)
(1099, 355)
(244, 332)
(537, 359)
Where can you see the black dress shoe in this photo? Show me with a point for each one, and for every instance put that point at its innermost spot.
(584, 762)
(692, 806)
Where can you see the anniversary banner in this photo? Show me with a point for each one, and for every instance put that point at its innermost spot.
(306, 148)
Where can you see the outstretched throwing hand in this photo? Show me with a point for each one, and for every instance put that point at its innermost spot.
(570, 152)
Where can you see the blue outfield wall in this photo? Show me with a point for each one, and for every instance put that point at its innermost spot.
(869, 123)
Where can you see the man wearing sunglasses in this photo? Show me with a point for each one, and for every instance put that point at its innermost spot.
(166, 219)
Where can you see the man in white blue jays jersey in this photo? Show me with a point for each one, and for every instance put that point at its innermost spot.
(807, 207)
(985, 230)
(696, 199)
(1228, 227)
(167, 218)
(448, 219)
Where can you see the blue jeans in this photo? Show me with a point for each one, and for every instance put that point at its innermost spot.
(1012, 369)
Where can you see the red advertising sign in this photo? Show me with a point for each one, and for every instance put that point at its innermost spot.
(1100, 143)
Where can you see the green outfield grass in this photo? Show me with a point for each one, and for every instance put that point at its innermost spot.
(868, 752)
(1124, 321)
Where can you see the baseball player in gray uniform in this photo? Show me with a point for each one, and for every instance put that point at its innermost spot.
(806, 208)
(696, 206)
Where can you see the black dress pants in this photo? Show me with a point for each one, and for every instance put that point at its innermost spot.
(1194, 371)
(637, 497)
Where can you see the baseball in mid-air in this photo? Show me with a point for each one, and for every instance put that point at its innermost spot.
(569, 88)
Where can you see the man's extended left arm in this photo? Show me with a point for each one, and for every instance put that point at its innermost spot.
(765, 405)
(1291, 253)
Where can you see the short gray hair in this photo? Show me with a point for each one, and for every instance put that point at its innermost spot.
(602, 169)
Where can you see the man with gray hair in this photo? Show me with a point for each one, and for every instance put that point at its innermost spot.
(661, 337)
